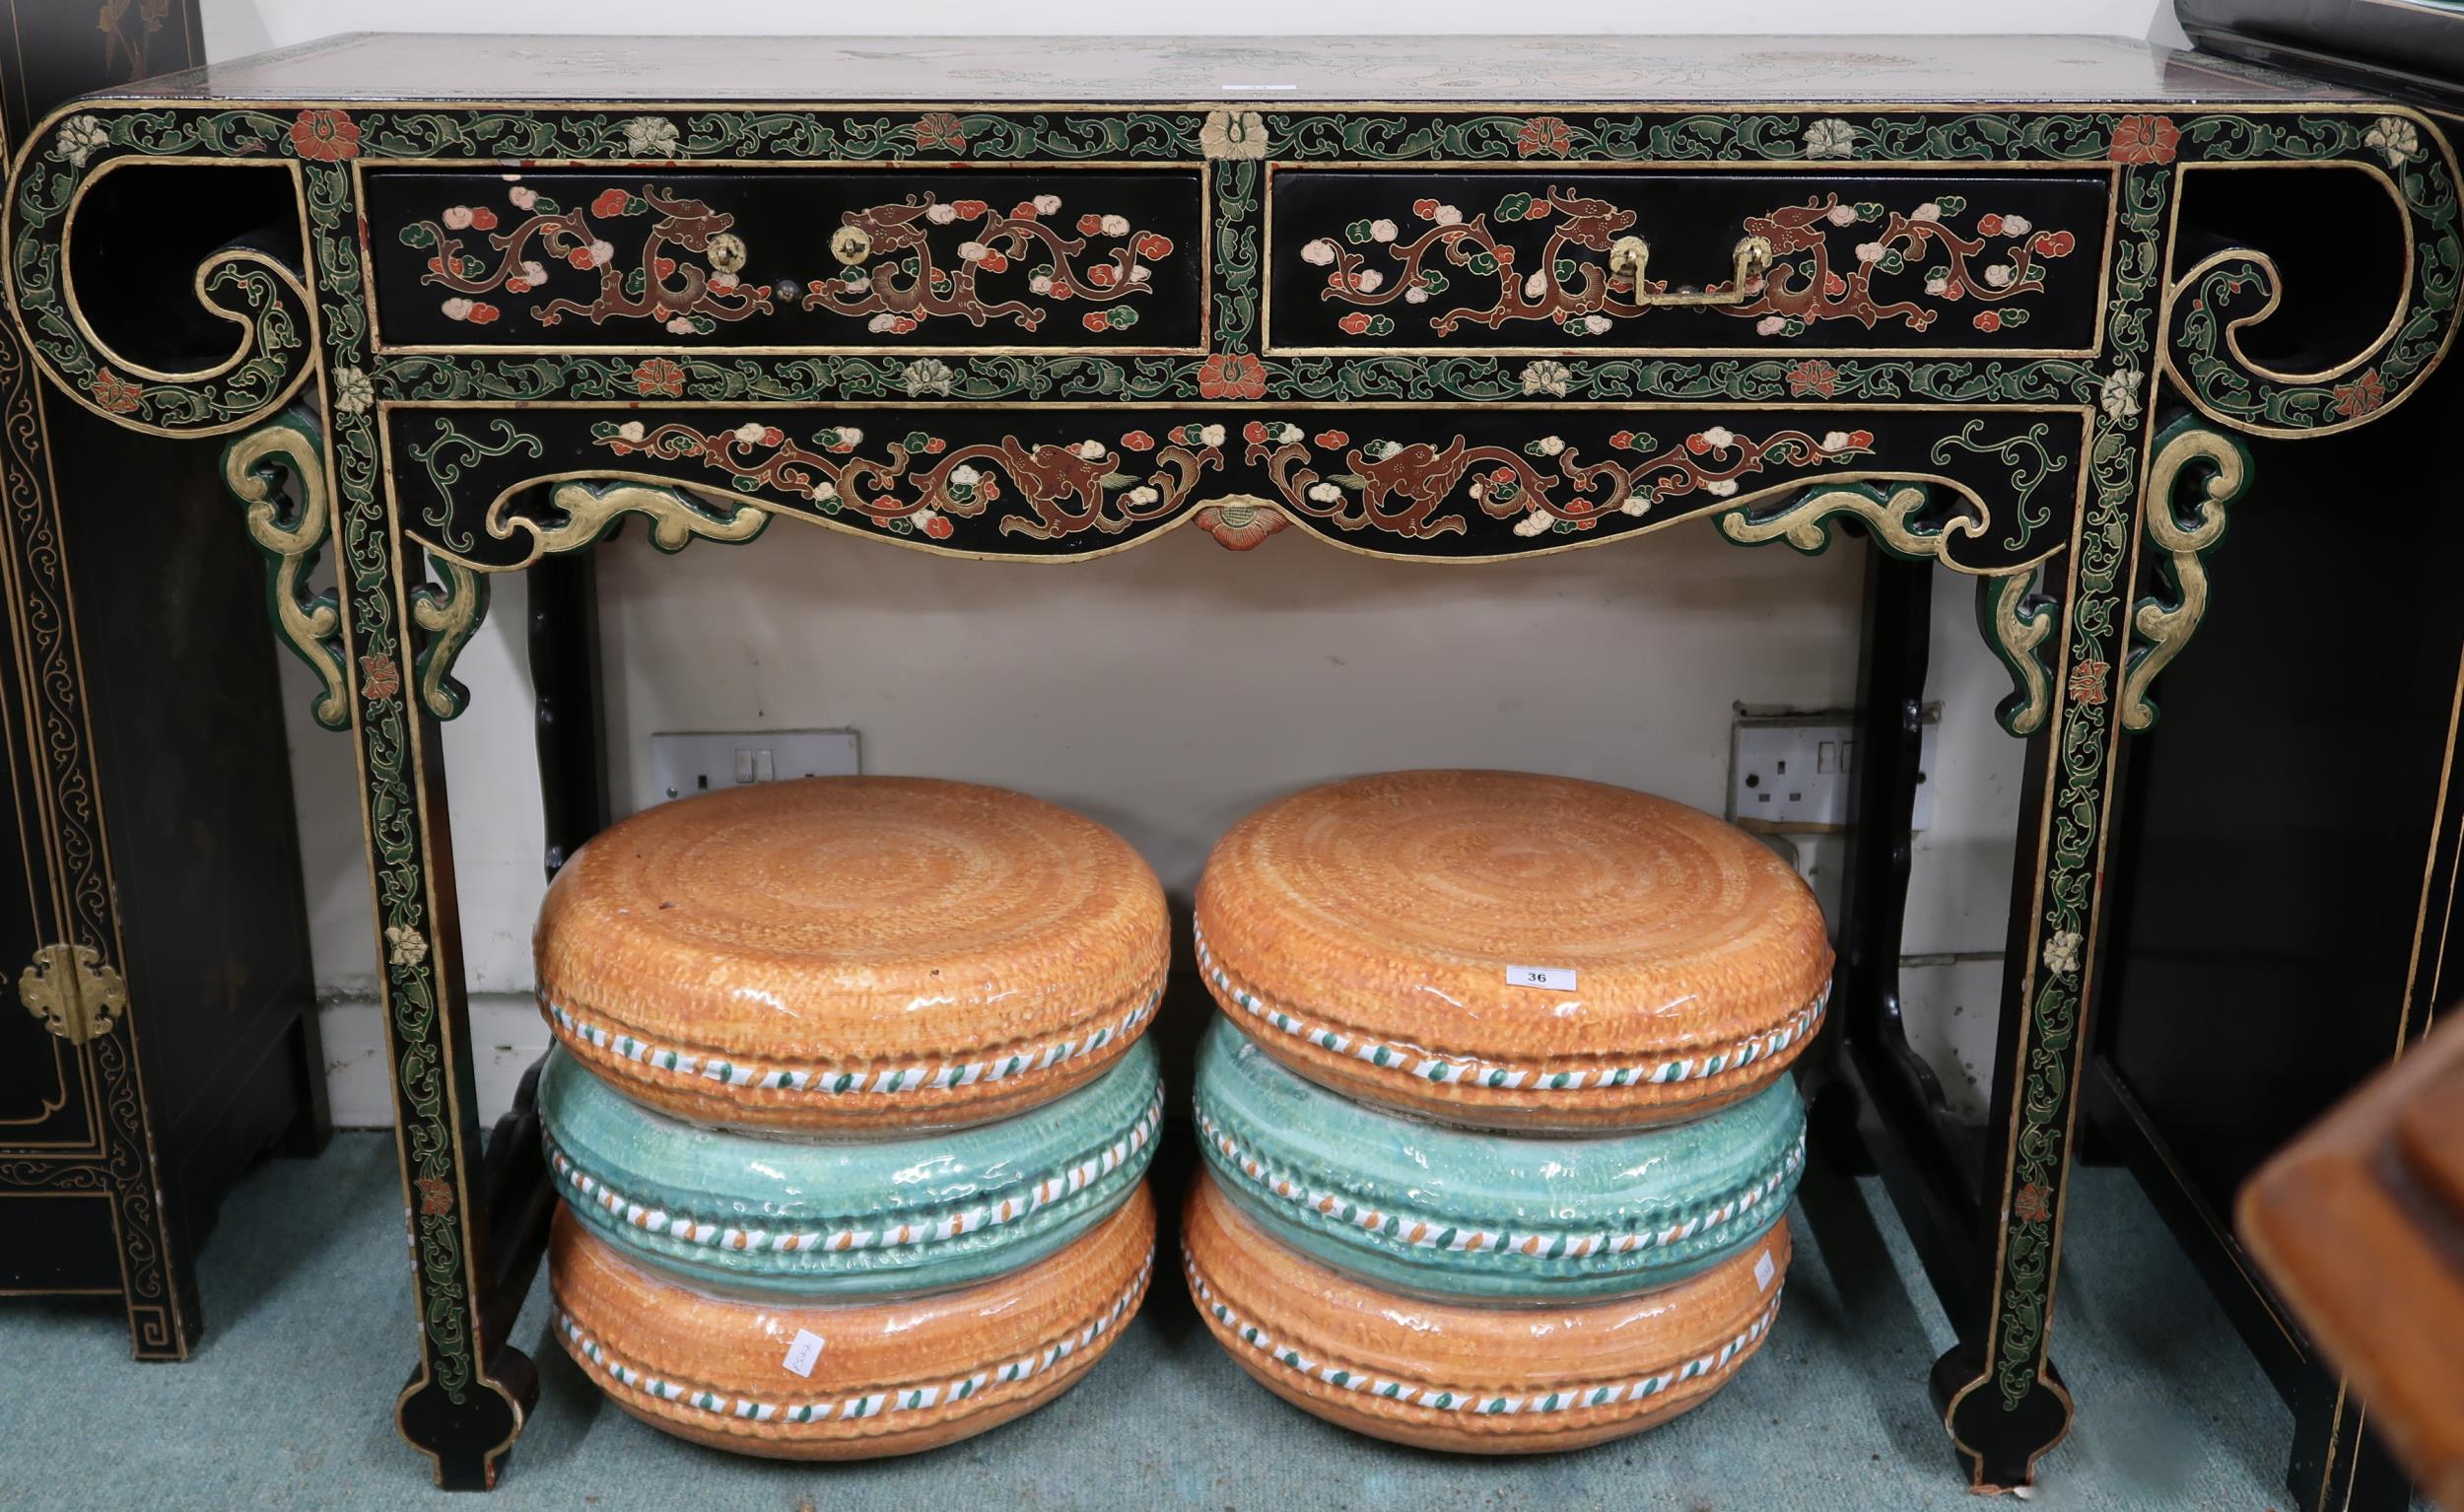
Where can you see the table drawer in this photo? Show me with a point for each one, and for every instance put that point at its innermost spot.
(1523, 259)
(897, 258)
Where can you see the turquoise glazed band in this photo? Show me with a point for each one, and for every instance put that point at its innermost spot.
(868, 1218)
(1455, 1213)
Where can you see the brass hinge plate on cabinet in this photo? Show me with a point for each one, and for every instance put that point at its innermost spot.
(72, 992)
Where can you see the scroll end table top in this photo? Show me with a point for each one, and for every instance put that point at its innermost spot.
(1061, 70)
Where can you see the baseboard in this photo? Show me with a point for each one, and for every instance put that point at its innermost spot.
(507, 1035)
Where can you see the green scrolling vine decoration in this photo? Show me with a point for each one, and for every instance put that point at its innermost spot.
(2031, 460)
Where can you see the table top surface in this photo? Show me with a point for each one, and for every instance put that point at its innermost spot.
(1062, 70)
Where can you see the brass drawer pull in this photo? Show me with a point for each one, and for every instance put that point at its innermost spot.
(849, 244)
(1630, 256)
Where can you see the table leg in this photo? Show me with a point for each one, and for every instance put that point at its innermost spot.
(2003, 1401)
(469, 1392)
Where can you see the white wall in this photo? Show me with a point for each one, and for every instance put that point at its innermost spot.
(1168, 690)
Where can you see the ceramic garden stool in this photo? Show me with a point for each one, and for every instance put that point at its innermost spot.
(1477, 1290)
(850, 1109)
(851, 957)
(1476, 1216)
(1512, 950)
(769, 1218)
(1457, 1376)
(847, 1380)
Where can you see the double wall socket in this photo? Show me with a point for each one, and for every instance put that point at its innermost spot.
(1794, 774)
(684, 764)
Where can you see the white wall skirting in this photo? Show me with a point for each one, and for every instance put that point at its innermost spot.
(506, 1027)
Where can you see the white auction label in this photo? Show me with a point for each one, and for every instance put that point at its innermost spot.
(805, 1351)
(1763, 1270)
(1556, 979)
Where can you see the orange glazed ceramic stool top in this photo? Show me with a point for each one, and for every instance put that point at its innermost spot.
(847, 1381)
(851, 955)
(1513, 950)
(1464, 1377)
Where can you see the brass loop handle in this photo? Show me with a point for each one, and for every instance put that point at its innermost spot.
(1630, 257)
(849, 244)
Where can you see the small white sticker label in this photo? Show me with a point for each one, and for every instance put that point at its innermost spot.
(807, 1350)
(1763, 1270)
(1555, 979)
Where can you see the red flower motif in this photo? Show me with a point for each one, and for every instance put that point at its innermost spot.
(1154, 245)
(938, 527)
(482, 217)
(379, 679)
(2033, 1204)
(1255, 433)
(1989, 225)
(2145, 139)
(1090, 225)
(1987, 319)
(482, 314)
(325, 136)
(1024, 210)
(1543, 136)
(1814, 376)
(1622, 440)
(2087, 681)
(1354, 325)
(939, 130)
(612, 202)
(1240, 527)
(660, 376)
(1232, 375)
(1100, 276)
(2363, 394)
(972, 209)
(2054, 243)
(1425, 209)
(1096, 321)
(583, 258)
(1137, 440)
(1331, 440)
(436, 1197)
(116, 393)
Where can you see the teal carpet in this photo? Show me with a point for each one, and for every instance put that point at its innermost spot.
(308, 1330)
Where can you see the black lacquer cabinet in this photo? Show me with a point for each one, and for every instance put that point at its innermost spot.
(150, 904)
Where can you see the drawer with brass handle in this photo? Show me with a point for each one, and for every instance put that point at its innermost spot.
(1533, 260)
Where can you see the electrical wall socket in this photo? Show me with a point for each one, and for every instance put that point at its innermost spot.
(684, 764)
(1794, 773)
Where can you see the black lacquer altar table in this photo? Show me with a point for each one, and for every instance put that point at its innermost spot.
(456, 307)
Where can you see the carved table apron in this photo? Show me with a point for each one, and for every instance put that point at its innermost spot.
(1022, 312)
